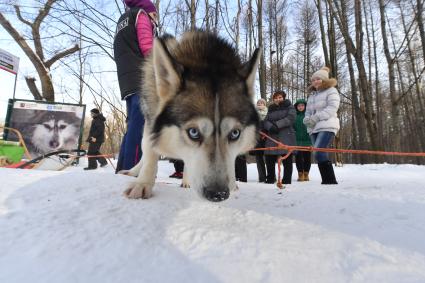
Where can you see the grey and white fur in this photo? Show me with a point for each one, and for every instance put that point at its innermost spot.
(197, 100)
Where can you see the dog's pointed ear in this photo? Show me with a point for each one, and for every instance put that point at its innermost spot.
(167, 70)
(249, 70)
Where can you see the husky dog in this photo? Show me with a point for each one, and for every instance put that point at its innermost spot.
(47, 131)
(197, 99)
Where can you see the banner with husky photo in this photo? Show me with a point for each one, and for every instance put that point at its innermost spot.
(46, 127)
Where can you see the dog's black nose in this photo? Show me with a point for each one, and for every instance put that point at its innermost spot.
(214, 194)
(54, 144)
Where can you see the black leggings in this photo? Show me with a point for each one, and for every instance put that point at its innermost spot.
(287, 168)
(261, 166)
(303, 161)
(240, 168)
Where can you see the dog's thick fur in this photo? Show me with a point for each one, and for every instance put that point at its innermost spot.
(197, 100)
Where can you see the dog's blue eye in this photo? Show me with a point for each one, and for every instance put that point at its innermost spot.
(194, 133)
(234, 135)
(62, 127)
(47, 126)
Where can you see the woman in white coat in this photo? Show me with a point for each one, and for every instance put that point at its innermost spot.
(321, 119)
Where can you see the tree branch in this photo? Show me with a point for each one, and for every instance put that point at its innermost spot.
(61, 55)
(21, 42)
(43, 13)
(19, 15)
(35, 28)
(33, 88)
(401, 96)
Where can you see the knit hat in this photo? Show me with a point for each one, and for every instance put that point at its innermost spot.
(95, 111)
(322, 74)
(262, 100)
(146, 5)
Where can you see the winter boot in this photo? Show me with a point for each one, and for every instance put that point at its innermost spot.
(301, 176)
(306, 177)
(327, 173)
(177, 175)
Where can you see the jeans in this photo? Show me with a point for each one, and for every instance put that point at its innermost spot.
(131, 151)
(322, 140)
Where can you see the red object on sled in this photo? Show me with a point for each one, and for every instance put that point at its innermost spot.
(16, 165)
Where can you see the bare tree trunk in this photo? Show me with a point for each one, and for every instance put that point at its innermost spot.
(358, 122)
(333, 60)
(322, 32)
(207, 15)
(340, 15)
(271, 51)
(237, 29)
(409, 130)
(250, 28)
(36, 56)
(418, 98)
(395, 113)
(378, 93)
(298, 74)
(192, 10)
(262, 67)
(420, 21)
(217, 12)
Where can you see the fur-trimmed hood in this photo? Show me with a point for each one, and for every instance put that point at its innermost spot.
(321, 114)
(325, 85)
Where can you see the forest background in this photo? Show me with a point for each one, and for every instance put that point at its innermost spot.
(374, 48)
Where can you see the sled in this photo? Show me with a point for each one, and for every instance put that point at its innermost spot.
(11, 152)
(55, 160)
(14, 154)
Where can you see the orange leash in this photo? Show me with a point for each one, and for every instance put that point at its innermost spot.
(290, 149)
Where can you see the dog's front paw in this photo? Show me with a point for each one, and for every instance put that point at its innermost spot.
(132, 172)
(139, 190)
(124, 172)
(185, 184)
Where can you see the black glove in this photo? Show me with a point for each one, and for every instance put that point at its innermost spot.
(274, 129)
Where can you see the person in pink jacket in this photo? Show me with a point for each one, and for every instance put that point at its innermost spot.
(132, 43)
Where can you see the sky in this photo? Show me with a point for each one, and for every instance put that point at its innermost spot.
(76, 226)
(60, 76)
(7, 79)
(26, 68)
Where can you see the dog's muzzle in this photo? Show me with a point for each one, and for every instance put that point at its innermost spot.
(215, 193)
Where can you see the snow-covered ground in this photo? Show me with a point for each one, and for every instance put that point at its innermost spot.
(75, 226)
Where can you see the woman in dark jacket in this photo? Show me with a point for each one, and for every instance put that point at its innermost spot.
(279, 124)
(303, 158)
(95, 139)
